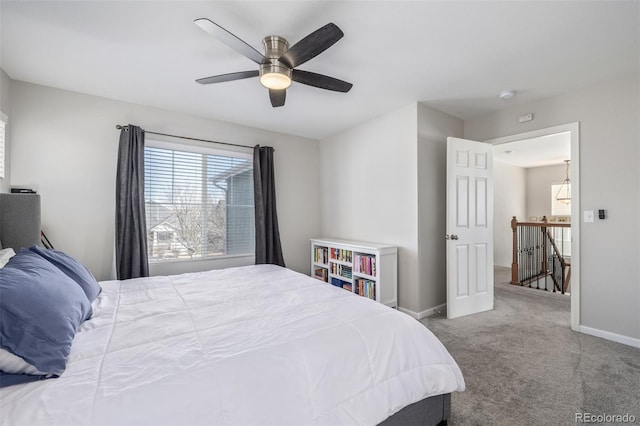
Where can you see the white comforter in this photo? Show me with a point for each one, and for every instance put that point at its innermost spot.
(250, 345)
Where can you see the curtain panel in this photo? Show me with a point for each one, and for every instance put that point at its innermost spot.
(268, 248)
(131, 226)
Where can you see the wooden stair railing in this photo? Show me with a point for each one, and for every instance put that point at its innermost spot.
(536, 255)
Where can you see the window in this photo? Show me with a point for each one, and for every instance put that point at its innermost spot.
(199, 202)
(3, 124)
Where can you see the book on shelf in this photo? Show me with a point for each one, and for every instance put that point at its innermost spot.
(347, 286)
(321, 274)
(341, 254)
(338, 282)
(320, 255)
(365, 264)
(366, 288)
(342, 270)
(345, 271)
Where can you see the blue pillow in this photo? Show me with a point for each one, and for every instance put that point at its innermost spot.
(73, 269)
(40, 310)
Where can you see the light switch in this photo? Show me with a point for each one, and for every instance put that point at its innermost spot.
(588, 216)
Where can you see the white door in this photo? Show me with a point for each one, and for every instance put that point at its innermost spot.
(469, 227)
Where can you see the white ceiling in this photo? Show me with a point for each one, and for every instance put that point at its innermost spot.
(535, 152)
(454, 56)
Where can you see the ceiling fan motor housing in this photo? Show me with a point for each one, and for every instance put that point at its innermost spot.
(274, 48)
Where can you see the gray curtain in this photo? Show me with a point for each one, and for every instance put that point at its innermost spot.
(131, 224)
(268, 248)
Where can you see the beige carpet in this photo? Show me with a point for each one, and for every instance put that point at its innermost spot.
(524, 366)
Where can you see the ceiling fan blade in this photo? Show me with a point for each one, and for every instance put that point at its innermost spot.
(277, 97)
(228, 77)
(321, 81)
(312, 45)
(231, 40)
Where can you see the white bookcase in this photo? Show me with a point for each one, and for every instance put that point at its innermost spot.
(367, 269)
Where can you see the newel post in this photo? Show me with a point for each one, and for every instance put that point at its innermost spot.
(514, 263)
(543, 229)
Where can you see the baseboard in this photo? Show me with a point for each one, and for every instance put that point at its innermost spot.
(425, 313)
(625, 340)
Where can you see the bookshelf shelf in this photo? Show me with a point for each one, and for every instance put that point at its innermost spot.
(366, 269)
(341, 278)
(341, 262)
(365, 276)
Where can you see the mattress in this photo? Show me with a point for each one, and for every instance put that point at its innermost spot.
(251, 345)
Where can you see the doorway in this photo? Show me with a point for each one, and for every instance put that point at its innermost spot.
(572, 130)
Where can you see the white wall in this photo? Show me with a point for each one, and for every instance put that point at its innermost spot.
(509, 194)
(384, 181)
(539, 181)
(433, 129)
(609, 179)
(369, 190)
(5, 107)
(65, 144)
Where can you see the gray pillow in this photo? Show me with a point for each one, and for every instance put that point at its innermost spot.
(40, 310)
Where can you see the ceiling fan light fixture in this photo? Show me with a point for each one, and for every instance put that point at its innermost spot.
(273, 76)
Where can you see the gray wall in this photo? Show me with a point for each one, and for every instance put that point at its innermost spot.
(509, 199)
(609, 179)
(433, 129)
(5, 106)
(539, 181)
(369, 190)
(384, 181)
(370, 181)
(65, 144)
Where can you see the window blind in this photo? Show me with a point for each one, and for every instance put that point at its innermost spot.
(198, 204)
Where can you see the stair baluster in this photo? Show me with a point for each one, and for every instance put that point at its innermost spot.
(536, 254)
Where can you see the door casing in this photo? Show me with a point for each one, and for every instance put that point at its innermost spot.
(574, 129)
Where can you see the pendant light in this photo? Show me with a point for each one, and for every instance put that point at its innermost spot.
(564, 192)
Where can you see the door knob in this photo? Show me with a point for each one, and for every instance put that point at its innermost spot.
(446, 237)
(454, 237)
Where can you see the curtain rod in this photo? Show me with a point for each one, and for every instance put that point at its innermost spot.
(119, 127)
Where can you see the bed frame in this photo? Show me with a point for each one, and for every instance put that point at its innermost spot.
(430, 411)
(20, 227)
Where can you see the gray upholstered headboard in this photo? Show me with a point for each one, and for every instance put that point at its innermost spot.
(19, 220)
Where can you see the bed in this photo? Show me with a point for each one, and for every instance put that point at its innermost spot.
(252, 345)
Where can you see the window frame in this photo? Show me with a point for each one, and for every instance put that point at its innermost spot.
(4, 119)
(205, 150)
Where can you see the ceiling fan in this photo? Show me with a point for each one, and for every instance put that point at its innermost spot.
(277, 67)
